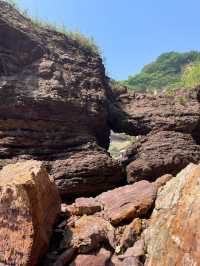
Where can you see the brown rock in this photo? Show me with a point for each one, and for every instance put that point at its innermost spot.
(131, 261)
(160, 153)
(115, 261)
(29, 205)
(134, 200)
(65, 257)
(54, 98)
(161, 181)
(173, 234)
(131, 233)
(136, 251)
(87, 206)
(90, 232)
(142, 113)
(99, 259)
(83, 206)
(168, 132)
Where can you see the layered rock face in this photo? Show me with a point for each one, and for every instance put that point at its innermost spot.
(168, 130)
(173, 235)
(29, 207)
(53, 105)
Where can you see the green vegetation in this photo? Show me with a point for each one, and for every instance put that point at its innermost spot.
(191, 76)
(119, 143)
(78, 37)
(170, 71)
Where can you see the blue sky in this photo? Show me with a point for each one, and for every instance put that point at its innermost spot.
(131, 33)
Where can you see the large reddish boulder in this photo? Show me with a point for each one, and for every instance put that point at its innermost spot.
(29, 206)
(128, 202)
(173, 235)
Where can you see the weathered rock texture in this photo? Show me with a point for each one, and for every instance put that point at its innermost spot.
(114, 221)
(173, 235)
(29, 205)
(168, 130)
(53, 105)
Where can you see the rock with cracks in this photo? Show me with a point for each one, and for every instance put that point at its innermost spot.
(54, 105)
(173, 234)
(29, 206)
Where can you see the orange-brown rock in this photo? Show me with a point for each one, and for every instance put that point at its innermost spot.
(89, 232)
(29, 205)
(173, 235)
(127, 202)
(131, 233)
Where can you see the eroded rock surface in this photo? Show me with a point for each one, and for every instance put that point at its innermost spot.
(53, 105)
(29, 206)
(173, 234)
(114, 221)
(168, 132)
(128, 202)
(159, 153)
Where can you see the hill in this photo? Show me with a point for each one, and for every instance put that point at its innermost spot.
(165, 72)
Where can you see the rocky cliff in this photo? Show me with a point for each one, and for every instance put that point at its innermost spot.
(167, 130)
(53, 105)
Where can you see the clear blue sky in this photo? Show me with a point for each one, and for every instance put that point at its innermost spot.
(131, 33)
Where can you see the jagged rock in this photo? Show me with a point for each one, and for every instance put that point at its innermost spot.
(162, 180)
(134, 200)
(101, 258)
(173, 234)
(167, 128)
(29, 205)
(131, 233)
(89, 232)
(160, 153)
(86, 172)
(136, 251)
(53, 105)
(86, 206)
(142, 113)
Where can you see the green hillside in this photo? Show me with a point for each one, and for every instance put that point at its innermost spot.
(167, 71)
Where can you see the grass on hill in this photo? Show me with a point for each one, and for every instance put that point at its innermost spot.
(82, 40)
(167, 72)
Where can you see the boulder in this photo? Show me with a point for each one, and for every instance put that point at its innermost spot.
(29, 206)
(127, 202)
(90, 232)
(101, 258)
(136, 250)
(167, 129)
(131, 233)
(173, 234)
(160, 153)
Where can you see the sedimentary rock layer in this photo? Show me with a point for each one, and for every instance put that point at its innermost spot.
(53, 105)
(168, 132)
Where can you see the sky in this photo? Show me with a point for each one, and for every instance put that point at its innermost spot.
(130, 33)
